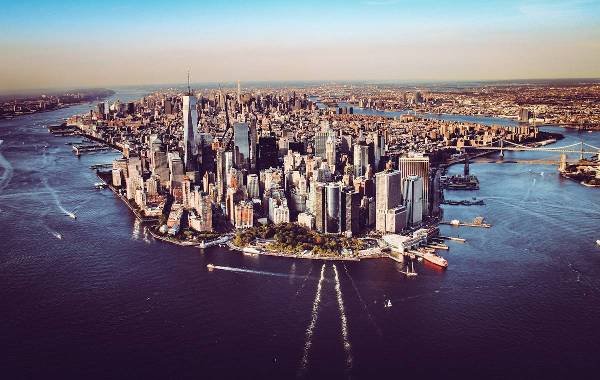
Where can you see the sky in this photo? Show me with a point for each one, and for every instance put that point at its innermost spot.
(59, 44)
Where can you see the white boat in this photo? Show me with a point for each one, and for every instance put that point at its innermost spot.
(435, 259)
(598, 242)
(210, 267)
(72, 215)
(388, 303)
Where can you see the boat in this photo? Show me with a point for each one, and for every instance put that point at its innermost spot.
(250, 251)
(210, 267)
(72, 215)
(435, 259)
(598, 242)
(388, 304)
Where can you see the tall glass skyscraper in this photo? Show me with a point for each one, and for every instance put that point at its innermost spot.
(241, 138)
(190, 124)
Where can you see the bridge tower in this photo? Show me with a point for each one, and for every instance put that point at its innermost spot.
(563, 163)
(581, 151)
(501, 148)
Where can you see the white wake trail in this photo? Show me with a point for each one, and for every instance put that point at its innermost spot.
(242, 270)
(136, 231)
(311, 326)
(364, 304)
(8, 171)
(56, 200)
(303, 282)
(343, 320)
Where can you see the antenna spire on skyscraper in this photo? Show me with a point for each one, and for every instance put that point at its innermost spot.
(189, 89)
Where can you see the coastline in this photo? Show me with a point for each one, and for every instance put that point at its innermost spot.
(58, 108)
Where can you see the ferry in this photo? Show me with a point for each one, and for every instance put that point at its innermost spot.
(210, 267)
(435, 259)
(249, 251)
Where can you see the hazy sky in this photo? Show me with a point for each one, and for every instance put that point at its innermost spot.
(102, 43)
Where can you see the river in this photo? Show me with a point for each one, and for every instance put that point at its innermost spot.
(520, 299)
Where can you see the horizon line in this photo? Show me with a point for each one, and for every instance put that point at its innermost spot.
(233, 83)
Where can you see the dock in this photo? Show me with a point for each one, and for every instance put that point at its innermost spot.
(84, 148)
(462, 224)
(477, 222)
(438, 246)
(102, 166)
(453, 238)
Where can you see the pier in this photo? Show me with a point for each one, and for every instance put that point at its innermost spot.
(453, 238)
(457, 223)
(102, 166)
(85, 148)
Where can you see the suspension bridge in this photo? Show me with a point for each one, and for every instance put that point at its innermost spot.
(502, 145)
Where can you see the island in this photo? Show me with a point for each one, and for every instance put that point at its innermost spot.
(322, 172)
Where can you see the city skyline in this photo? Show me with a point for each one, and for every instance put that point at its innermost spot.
(111, 43)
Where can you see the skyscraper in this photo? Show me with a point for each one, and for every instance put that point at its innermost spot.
(241, 138)
(190, 124)
(417, 164)
(267, 152)
(319, 207)
(253, 186)
(350, 211)
(388, 196)
(360, 159)
(330, 152)
(412, 192)
(333, 208)
(321, 142)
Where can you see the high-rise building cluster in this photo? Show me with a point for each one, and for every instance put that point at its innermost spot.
(219, 161)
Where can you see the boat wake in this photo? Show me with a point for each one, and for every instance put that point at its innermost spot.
(242, 270)
(343, 320)
(56, 235)
(7, 171)
(363, 303)
(311, 326)
(136, 233)
(303, 283)
(57, 200)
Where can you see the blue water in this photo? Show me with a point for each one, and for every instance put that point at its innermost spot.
(521, 299)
